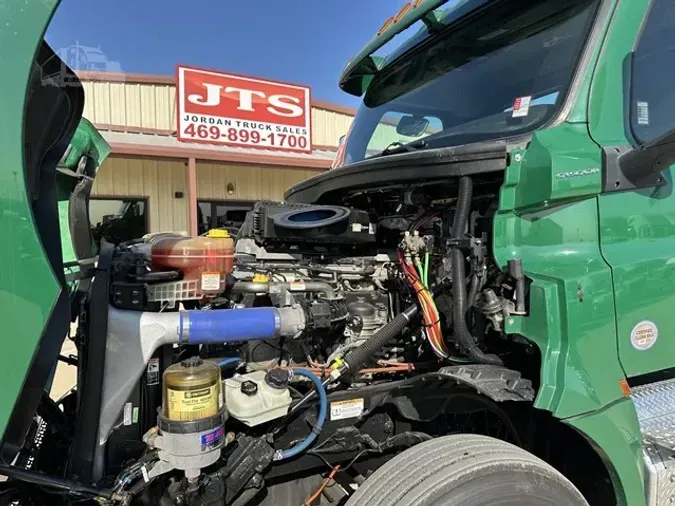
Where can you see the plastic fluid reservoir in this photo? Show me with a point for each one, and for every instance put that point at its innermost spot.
(191, 390)
(205, 259)
(258, 397)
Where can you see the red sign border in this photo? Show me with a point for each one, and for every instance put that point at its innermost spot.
(310, 148)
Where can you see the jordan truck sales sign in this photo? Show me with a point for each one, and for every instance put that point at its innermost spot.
(218, 108)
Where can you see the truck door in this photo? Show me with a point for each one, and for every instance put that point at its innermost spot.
(633, 102)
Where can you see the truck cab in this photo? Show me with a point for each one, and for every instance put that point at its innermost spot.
(472, 306)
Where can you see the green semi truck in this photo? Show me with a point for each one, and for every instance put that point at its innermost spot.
(473, 307)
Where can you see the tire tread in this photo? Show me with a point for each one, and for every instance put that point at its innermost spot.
(417, 475)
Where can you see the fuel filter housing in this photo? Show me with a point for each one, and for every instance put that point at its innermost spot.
(191, 427)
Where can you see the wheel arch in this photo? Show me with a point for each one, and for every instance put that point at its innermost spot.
(538, 431)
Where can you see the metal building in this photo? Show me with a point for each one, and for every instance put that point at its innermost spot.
(184, 187)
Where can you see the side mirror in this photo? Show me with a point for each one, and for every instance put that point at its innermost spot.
(412, 126)
(640, 167)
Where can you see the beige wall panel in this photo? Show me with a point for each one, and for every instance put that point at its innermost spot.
(118, 114)
(148, 107)
(102, 102)
(165, 97)
(328, 126)
(132, 104)
(104, 177)
(154, 106)
(156, 179)
(250, 182)
(89, 110)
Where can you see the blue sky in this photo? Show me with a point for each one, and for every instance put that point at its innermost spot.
(304, 41)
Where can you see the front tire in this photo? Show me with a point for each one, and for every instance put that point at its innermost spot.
(466, 470)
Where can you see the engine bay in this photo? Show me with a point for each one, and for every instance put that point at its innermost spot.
(245, 362)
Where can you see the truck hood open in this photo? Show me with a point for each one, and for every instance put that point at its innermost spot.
(75, 173)
(404, 168)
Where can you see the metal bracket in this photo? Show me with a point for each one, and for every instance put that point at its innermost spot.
(613, 178)
(475, 246)
(498, 383)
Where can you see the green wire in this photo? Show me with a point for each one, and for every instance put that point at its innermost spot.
(420, 269)
(426, 269)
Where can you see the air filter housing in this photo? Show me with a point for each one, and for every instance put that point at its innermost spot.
(278, 222)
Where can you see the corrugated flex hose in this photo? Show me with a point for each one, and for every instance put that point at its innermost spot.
(323, 411)
(466, 340)
(354, 359)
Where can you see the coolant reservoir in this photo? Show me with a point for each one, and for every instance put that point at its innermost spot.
(258, 397)
(206, 260)
(191, 390)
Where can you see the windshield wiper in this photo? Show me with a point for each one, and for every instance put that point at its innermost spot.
(397, 147)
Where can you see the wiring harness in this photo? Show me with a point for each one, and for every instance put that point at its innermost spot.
(416, 273)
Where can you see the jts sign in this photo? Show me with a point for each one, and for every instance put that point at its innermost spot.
(228, 109)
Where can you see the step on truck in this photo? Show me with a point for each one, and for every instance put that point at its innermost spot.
(474, 306)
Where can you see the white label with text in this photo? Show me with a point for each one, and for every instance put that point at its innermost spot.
(341, 410)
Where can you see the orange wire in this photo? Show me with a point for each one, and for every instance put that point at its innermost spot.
(429, 311)
(390, 369)
(323, 486)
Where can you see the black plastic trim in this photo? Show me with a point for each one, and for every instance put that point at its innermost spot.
(87, 454)
(80, 227)
(613, 177)
(174, 427)
(418, 166)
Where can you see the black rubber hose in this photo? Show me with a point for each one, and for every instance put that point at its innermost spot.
(355, 358)
(515, 267)
(64, 486)
(473, 292)
(459, 309)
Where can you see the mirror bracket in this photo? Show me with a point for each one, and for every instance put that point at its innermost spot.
(625, 168)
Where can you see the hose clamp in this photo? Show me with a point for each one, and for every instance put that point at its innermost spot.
(183, 328)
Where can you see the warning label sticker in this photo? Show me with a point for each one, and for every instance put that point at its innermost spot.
(521, 107)
(643, 113)
(212, 439)
(152, 373)
(210, 281)
(341, 410)
(644, 335)
(297, 286)
(127, 413)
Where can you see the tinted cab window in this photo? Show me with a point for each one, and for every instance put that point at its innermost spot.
(653, 91)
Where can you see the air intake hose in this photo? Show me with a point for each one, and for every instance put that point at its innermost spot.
(464, 337)
(245, 324)
(358, 356)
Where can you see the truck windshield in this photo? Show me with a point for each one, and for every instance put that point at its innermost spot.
(494, 70)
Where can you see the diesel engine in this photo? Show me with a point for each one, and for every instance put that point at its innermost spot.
(299, 341)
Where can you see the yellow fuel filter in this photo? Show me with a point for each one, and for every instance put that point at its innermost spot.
(191, 390)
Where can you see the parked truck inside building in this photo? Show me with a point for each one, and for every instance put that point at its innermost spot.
(480, 311)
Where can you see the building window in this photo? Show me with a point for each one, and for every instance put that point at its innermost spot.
(227, 214)
(118, 219)
(652, 94)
